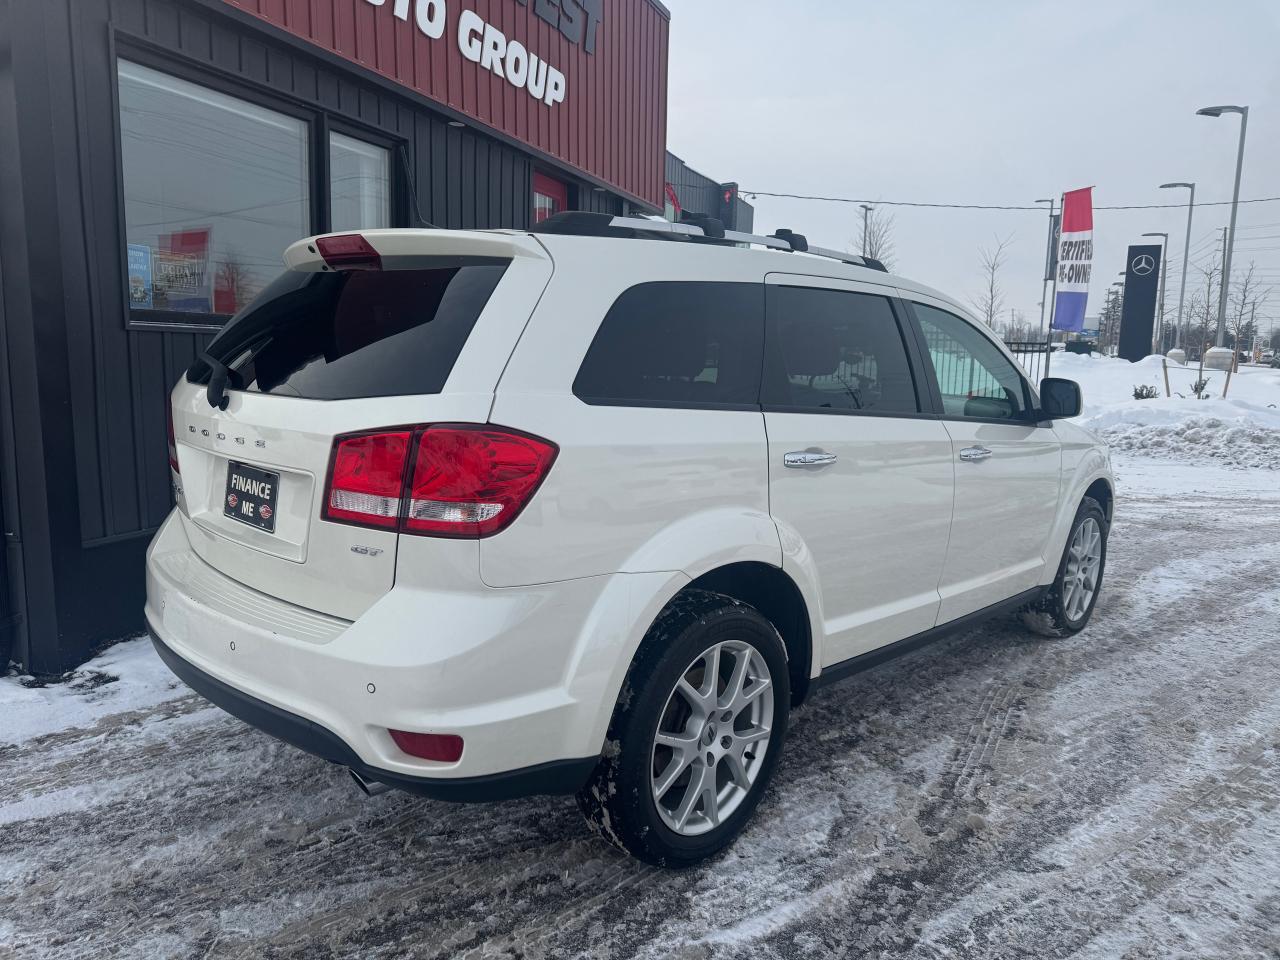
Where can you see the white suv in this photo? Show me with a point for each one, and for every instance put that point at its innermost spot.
(591, 508)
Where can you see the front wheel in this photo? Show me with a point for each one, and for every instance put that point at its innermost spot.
(1069, 602)
(697, 734)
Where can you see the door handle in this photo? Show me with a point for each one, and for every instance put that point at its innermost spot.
(807, 458)
(974, 453)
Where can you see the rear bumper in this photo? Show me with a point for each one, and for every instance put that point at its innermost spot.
(522, 675)
(555, 777)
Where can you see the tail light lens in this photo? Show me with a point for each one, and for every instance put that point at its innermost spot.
(366, 478)
(443, 480)
(473, 481)
(173, 444)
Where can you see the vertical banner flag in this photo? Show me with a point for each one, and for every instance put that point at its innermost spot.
(1075, 260)
(1138, 314)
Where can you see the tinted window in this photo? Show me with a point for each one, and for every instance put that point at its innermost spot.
(358, 333)
(677, 344)
(834, 350)
(214, 188)
(975, 378)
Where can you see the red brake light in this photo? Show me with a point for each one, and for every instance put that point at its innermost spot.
(173, 444)
(349, 251)
(441, 747)
(450, 480)
(366, 477)
(473, 481)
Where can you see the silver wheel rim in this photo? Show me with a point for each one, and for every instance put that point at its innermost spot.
(712, 738)
(1084, 564)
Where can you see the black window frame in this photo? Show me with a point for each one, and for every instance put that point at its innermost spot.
(752, 407)
(1030, 416)
(319, 120)
(925, 406)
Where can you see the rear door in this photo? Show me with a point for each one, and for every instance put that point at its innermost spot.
(418, 336)
(860, 477)
(1008, 465)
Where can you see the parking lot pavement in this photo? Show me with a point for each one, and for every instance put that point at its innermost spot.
(1114, 794)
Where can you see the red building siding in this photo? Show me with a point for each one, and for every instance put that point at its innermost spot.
(612, 122)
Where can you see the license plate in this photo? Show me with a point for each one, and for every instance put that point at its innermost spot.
(251, 496)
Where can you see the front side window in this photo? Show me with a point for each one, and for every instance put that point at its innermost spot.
(359, 184)
(976, 380)
(832, 350)
(215, 188)
(685, 344)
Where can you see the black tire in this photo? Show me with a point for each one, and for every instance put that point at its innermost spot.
(618, 800)
(1049, 616)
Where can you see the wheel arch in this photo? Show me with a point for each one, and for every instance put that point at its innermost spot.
(778, 598)
(1102, 491)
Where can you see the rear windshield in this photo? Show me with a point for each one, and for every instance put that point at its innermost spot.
(357, 333)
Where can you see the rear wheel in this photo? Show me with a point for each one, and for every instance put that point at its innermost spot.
(1068, 605)
(697, 735)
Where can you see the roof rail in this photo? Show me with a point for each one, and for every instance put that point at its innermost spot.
(699, 229)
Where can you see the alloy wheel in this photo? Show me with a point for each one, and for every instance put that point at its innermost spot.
(712, 737)
(1084, 564)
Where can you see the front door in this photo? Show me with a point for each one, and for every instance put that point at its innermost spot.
(1007, 466)
(860, 482)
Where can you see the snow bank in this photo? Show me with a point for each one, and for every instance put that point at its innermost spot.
(1241, 431)
(127, 676)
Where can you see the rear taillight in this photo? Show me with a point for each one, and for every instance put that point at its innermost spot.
(366, 479)
(473, 481)
(173, 445)
(441, 480)
(349, 251)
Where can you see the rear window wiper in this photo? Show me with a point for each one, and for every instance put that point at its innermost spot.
(220, 375)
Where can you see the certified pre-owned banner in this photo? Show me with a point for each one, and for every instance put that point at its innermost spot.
(1075, 260)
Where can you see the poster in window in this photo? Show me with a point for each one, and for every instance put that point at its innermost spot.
(140, 276)
(180, 267)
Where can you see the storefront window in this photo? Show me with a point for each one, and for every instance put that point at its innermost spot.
(215, 188)
(359, 184)
(549, 197)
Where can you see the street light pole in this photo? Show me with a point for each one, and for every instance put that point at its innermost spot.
(866, 211)
(1180, 336)
(1158, 341)
(1235, 203)
(1048, 262)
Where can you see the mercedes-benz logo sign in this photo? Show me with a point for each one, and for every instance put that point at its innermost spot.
(1142, 265)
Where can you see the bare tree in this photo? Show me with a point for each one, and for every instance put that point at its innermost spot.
(991, 300)
(879, 227)
(1202, 315)
(1246, 296)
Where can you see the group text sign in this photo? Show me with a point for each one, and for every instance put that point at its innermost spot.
(1075, 260)
(507, 58)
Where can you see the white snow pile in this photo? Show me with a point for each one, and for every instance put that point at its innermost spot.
(126, 677)
(1242, 430)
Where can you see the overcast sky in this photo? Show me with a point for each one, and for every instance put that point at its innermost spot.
(994, 102)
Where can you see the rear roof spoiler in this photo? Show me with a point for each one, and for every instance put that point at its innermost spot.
(404, 243)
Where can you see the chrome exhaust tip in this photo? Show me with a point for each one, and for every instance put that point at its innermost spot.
(371, 788)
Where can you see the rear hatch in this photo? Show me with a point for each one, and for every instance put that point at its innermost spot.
(393, 329)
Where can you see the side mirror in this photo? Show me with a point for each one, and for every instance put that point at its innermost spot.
(1060, 398)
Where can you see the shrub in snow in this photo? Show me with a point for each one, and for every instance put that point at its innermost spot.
(1144, 392)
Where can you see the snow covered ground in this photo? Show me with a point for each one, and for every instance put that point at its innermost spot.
(1115, 794)
(1241, 430)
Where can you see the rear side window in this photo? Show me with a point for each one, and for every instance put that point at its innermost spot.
(677, 344)
(356, 333)
(832, 350)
